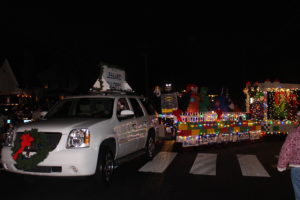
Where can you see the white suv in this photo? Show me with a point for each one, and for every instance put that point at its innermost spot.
(85, 135)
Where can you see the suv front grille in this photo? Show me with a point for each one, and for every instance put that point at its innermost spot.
(43, 169)
(52, 138)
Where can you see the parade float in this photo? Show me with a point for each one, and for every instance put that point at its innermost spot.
(271, 108)
(203, 122)
(274, 104)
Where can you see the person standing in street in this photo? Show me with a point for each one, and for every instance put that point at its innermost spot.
(290, 157)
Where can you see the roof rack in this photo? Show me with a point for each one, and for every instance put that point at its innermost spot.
(116, 92)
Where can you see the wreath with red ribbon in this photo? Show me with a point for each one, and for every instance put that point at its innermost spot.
(23, 143)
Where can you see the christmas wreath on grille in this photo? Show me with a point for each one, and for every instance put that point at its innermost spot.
(24, 142)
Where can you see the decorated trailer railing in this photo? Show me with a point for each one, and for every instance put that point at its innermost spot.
(194, 129)
(282, 127)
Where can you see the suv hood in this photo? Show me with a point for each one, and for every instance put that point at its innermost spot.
(63, 125)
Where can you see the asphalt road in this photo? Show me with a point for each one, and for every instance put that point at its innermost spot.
(228, 176)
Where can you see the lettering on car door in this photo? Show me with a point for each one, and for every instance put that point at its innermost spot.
(141, 123)
(125, 130)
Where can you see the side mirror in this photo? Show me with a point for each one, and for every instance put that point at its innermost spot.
(43, 114)
(125, 113)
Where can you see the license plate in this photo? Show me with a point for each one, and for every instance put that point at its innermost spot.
(28, 154)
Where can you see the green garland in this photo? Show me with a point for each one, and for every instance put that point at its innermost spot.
(40, 140)
(100, 76)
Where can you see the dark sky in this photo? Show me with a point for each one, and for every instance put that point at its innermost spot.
(214, 46)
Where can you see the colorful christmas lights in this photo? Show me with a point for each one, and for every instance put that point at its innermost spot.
(273, 103)
(206, 128)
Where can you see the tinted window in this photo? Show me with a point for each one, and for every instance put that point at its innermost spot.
(138, 111)
(61, 109)
(122, 104)
(85, 107)
(148, 106)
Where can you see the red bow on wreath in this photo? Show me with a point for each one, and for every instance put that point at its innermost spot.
(26, 142)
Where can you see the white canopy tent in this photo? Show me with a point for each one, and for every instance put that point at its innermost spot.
(8, 81)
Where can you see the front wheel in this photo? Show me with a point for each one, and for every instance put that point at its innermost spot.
(150, 147)
(105, 166)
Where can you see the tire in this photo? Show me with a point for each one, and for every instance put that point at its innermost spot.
(105, 166)
(150, 147)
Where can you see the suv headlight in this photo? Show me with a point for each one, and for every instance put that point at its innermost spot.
(78, 138)
(9, 138)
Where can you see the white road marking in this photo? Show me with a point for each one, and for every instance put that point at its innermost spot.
(159, 163)
(251, 166)
(204, 164)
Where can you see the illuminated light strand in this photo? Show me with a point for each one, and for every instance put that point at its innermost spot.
(272, 103)
(212, 116)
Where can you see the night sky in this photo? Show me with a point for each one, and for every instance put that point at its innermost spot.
(214, 46)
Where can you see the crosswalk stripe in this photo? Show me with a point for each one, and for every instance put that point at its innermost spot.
(204, 164)
(159, 163)
(251, 166)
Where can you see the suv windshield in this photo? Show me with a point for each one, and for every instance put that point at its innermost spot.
(82, 107)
